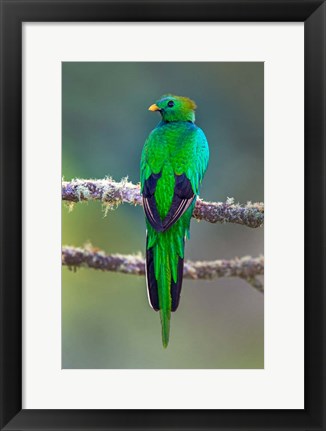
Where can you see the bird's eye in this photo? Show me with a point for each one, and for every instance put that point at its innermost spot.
(170, 103)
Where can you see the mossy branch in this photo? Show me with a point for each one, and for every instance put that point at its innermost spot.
(246, 268)
(112, 193)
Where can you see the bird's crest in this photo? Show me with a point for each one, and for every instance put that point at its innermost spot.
(186, 102)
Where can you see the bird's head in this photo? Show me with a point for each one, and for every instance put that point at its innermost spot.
(175, 108)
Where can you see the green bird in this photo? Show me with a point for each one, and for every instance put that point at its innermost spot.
(173, 163)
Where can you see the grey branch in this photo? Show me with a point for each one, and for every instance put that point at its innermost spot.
(112, 193)
(246, 268)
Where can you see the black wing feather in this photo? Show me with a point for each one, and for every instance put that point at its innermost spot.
(182, 199)
(152, 288)
(149, 202)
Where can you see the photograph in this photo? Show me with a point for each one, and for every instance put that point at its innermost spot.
(162, 215)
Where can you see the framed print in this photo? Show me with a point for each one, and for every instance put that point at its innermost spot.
(116, 316)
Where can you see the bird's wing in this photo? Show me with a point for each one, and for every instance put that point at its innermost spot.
(195, 159)
(190, 163)
(182, 199)
(151, 164)
(149, 202)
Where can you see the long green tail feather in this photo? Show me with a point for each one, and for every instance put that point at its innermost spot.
(162, 263)
(167, 250)
(165, 316)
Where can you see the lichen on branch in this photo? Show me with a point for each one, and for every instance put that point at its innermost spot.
(112, 193)
(246, 268)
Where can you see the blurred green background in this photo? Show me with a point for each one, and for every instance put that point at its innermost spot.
(106, 319)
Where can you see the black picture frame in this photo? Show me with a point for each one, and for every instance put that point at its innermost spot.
(13, 14)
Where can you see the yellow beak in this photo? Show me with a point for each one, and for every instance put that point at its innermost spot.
(153, 108)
